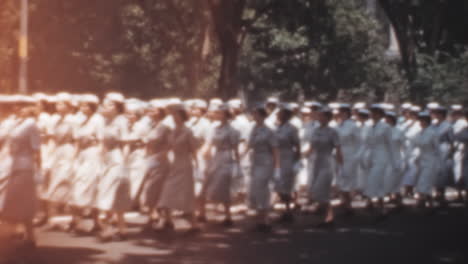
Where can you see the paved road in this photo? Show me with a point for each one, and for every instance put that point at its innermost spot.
(408, 237)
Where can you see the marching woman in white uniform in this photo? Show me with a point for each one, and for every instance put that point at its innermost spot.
(380, 156)
(178, 191)
(350, 138)
(412, 129)
(114, 187)
(264, 159)
(462, 138)
(59, 187)
(443, 128)
(88, 163)
(393, 179)
(321, 144)
(364, 124)
(287, 137)
(459, 124)
(156, 167)
(428, 159)
(221, 151)
(18, 196)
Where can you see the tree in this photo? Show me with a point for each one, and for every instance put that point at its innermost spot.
(427, 27)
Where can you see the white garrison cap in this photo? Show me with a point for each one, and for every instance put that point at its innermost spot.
(115, 97)
(158, 103)
(363, 111)
(199, 103)
(433, 106)
(388, 107)
(406, 106)
(40, 96)
(90, 98)
(63, 97)
(306, 110)
(378, 106)
(415, 108)
(218, 107)
(456, 107)
(391, 113)
(334, 105)
(235, 103)
(175, 103)
(272, 100)
(294, 105)
(286, 106)
(312, 104)
(359, 105)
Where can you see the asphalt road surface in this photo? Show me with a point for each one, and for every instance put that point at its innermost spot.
(411, 236)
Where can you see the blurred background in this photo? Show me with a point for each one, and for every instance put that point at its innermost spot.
(367, 50)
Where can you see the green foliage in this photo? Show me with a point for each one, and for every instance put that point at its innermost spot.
(442, 77)
(323, 49)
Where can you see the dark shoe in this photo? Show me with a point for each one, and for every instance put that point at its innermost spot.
(168, 226)
(326, 225)
(286, 218)
(201, 219)
(227, 223)
(263, 228)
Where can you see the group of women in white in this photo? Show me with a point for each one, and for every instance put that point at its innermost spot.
(103, 159)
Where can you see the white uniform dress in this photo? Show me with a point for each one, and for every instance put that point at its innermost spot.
(243, 126)
(88, 165)
(410, 174)
(462, 137)
(458, 127)
(156, 165)
(18, 195)
(428, 160)
(287, 137)
(350, 139)
(262, 144)
(363, 156)
(221, 166)
(323, 140)
(380, 157)
(394, 177)
(178, 191)
(445, 132)
(137, 156)
(115, 186)
(64, 153)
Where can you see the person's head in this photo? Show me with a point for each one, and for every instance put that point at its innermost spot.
(284, 115)
(271, 104)
(306, 114)
(29, 111)
(457, 112)
(425, 119)
(157, 110)
(391, 118)
(439, 113)
(377, 112)
(236, 107)
(198, 108)
(324, 116)
(345, 112)
(259, 114)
